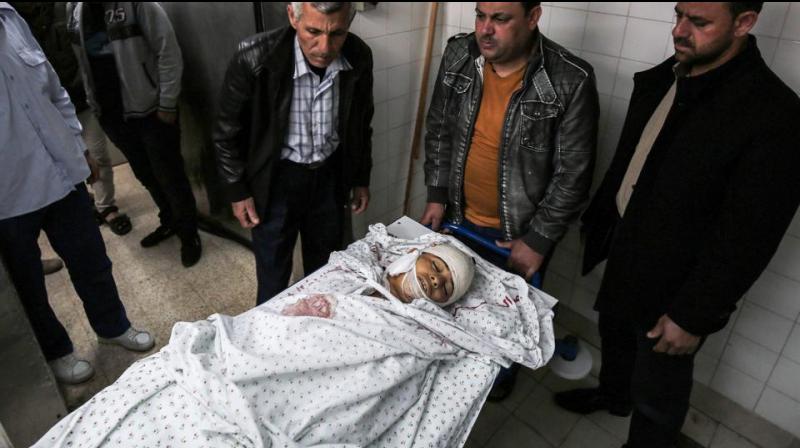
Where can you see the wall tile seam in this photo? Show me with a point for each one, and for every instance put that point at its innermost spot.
(763, 385)
(764, 309)
(626, 15)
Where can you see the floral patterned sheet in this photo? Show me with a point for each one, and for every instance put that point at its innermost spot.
(326, 364)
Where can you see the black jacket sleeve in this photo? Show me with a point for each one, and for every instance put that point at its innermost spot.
(235, 98)
(361, 175)
(437, 136)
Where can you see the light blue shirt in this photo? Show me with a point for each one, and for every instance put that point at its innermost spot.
(41, 149)
(314, 114)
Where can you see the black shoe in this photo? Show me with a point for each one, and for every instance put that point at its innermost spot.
(502, 388)
(157, 236)
(191, 249)
(586, 401)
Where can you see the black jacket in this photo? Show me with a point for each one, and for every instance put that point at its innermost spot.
(715, 196)
(546, 158)
(254, 112)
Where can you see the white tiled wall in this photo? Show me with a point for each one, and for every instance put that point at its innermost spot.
(396, 32)
(755, 361)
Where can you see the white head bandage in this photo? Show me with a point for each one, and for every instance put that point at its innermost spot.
(461, 265)
(407, 264)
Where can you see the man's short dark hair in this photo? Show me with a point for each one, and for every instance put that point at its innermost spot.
(740, 7)
(529, 6)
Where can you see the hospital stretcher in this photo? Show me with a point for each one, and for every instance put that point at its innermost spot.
(451, 390)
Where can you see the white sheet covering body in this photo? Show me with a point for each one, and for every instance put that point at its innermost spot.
(375, 372)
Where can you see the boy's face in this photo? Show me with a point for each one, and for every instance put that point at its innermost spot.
(433, 275)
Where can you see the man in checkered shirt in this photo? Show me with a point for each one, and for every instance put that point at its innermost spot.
(293, 137)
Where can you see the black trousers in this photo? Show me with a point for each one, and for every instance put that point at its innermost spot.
(74, 235)
(658, 385)
(301, 200)
(153, 150)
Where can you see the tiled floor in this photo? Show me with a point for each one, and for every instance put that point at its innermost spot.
(158, 291)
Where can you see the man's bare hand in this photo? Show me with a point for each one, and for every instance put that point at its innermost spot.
(245, 212)
(167, 117)
(94, 170)
(523, 259)
(433, 215)
(360, 200)
(673, 340)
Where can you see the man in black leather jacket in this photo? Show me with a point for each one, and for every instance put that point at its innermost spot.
(511, 136)
(293, 137)
(710, 144)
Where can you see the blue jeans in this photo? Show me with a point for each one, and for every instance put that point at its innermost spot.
(304, 201)
(73, 233)
(488, 233)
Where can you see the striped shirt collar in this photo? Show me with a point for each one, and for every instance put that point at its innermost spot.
(301, 67)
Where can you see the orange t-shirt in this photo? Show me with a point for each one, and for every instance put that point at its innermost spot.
(481, 193)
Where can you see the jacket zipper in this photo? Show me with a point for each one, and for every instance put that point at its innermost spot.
(458, 215)
(502, 174)
(147, 74)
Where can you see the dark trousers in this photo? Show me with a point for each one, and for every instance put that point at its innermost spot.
(488, 233)
(658, 385)
(301, 200)
(153, 150)
(74, 235)
(501, 262)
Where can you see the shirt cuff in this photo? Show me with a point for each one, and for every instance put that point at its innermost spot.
(168, 104)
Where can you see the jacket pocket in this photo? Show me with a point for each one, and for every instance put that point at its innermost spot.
(538, 123)
(458, 82)
(147, 75)
(33, 62)
(32, 57)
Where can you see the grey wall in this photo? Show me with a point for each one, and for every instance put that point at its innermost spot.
(31, 402)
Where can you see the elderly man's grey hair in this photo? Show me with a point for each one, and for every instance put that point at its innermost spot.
(326, 8)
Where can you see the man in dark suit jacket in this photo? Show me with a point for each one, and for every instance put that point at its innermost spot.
(702, 187)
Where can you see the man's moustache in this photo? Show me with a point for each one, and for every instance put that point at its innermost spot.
(683, 42)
